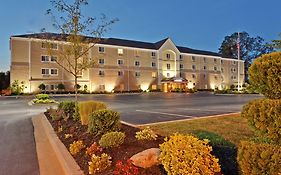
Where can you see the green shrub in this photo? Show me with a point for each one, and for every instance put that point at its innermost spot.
(99, 163)
(103, 121)
(259, 158)
(112, 139)
(264, 116)
(186, 154)
(68, 107)
(265, 73)
(57, 114)
(88, 107)
(146, 134)
(42, 96)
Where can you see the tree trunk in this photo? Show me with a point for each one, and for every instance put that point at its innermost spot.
(76, 90)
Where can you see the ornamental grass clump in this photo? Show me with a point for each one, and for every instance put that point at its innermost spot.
(88, 107)
(186, 154)
(112, 139)
(99, 163)
(146, 134)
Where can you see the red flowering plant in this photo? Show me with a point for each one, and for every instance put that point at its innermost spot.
(126, 168)
(93, 149)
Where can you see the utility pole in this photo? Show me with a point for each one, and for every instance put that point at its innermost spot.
(238, 50)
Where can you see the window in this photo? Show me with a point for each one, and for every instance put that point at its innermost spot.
(120, 62)
(153, 74)
(233, 77)
(193, 58)
(120, 51)
(233, 70)
(234, 62)
(80, 74)
(137, 53)
(204, 76)
(54, 46)
(53, 58)
(102, 87)
(101, 73)
(216, 77)
(101, 61)
(181, 57)
(193, 76)
(168, 75)
(215, 60)
(45, 45)
(193, 67)
(137, 63)
(53, 87)
(54, 71)
(205, 67)
(204, 59)
(181, 66)
(101, 49)
(194, 84)
(221, 61)
(215, 68)
(45, 58)
(168, 66)
(45, 71)
(222, 70)
(120, 73)
(153, 64)
(153, 54)
(137, 74)
(168, 56)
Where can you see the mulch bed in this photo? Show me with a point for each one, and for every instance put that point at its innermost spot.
(130, 147)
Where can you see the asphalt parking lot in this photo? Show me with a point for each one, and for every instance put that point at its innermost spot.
(148, 108)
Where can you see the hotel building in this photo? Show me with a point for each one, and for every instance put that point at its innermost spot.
(123, 65)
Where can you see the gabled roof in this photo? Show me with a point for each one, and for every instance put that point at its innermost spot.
(118, 42)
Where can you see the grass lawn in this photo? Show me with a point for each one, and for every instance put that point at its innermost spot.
(224, 133)
(232, 128)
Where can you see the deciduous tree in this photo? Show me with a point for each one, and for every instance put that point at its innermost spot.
(68, 18)
(250, 48)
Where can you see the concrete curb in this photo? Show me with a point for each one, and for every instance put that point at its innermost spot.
(53, 157)
(188, 119)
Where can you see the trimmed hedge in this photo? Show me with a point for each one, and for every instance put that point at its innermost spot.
(112, 139)
(265, 73)
(103, 121)
(87, 107)
(259, 158)
(264, 115)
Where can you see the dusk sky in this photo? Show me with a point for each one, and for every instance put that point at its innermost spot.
(198, 24)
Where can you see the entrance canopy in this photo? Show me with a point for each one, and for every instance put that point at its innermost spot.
(174, 80)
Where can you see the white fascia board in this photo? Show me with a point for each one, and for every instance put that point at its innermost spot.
(193, 54)
(124, 47)
(232, 59)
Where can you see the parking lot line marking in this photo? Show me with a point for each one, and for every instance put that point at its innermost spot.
(211, 110)
(181, 120)
(153, 112)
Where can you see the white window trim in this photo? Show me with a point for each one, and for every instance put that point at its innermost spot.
(138, 64)
(99, 49)
(122, 74)
(54, 75)
(103, 61)
(122, 60)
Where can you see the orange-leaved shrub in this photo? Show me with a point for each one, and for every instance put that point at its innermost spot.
(259, 158)
(76, 147)
(186, 154)
(264, 115)
(99, 163)
(88, 107)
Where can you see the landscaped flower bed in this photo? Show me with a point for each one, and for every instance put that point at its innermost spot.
(69, 131)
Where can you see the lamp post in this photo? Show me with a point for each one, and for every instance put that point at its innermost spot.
(238, 50)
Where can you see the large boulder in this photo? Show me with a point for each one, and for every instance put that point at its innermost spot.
(146, 158)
